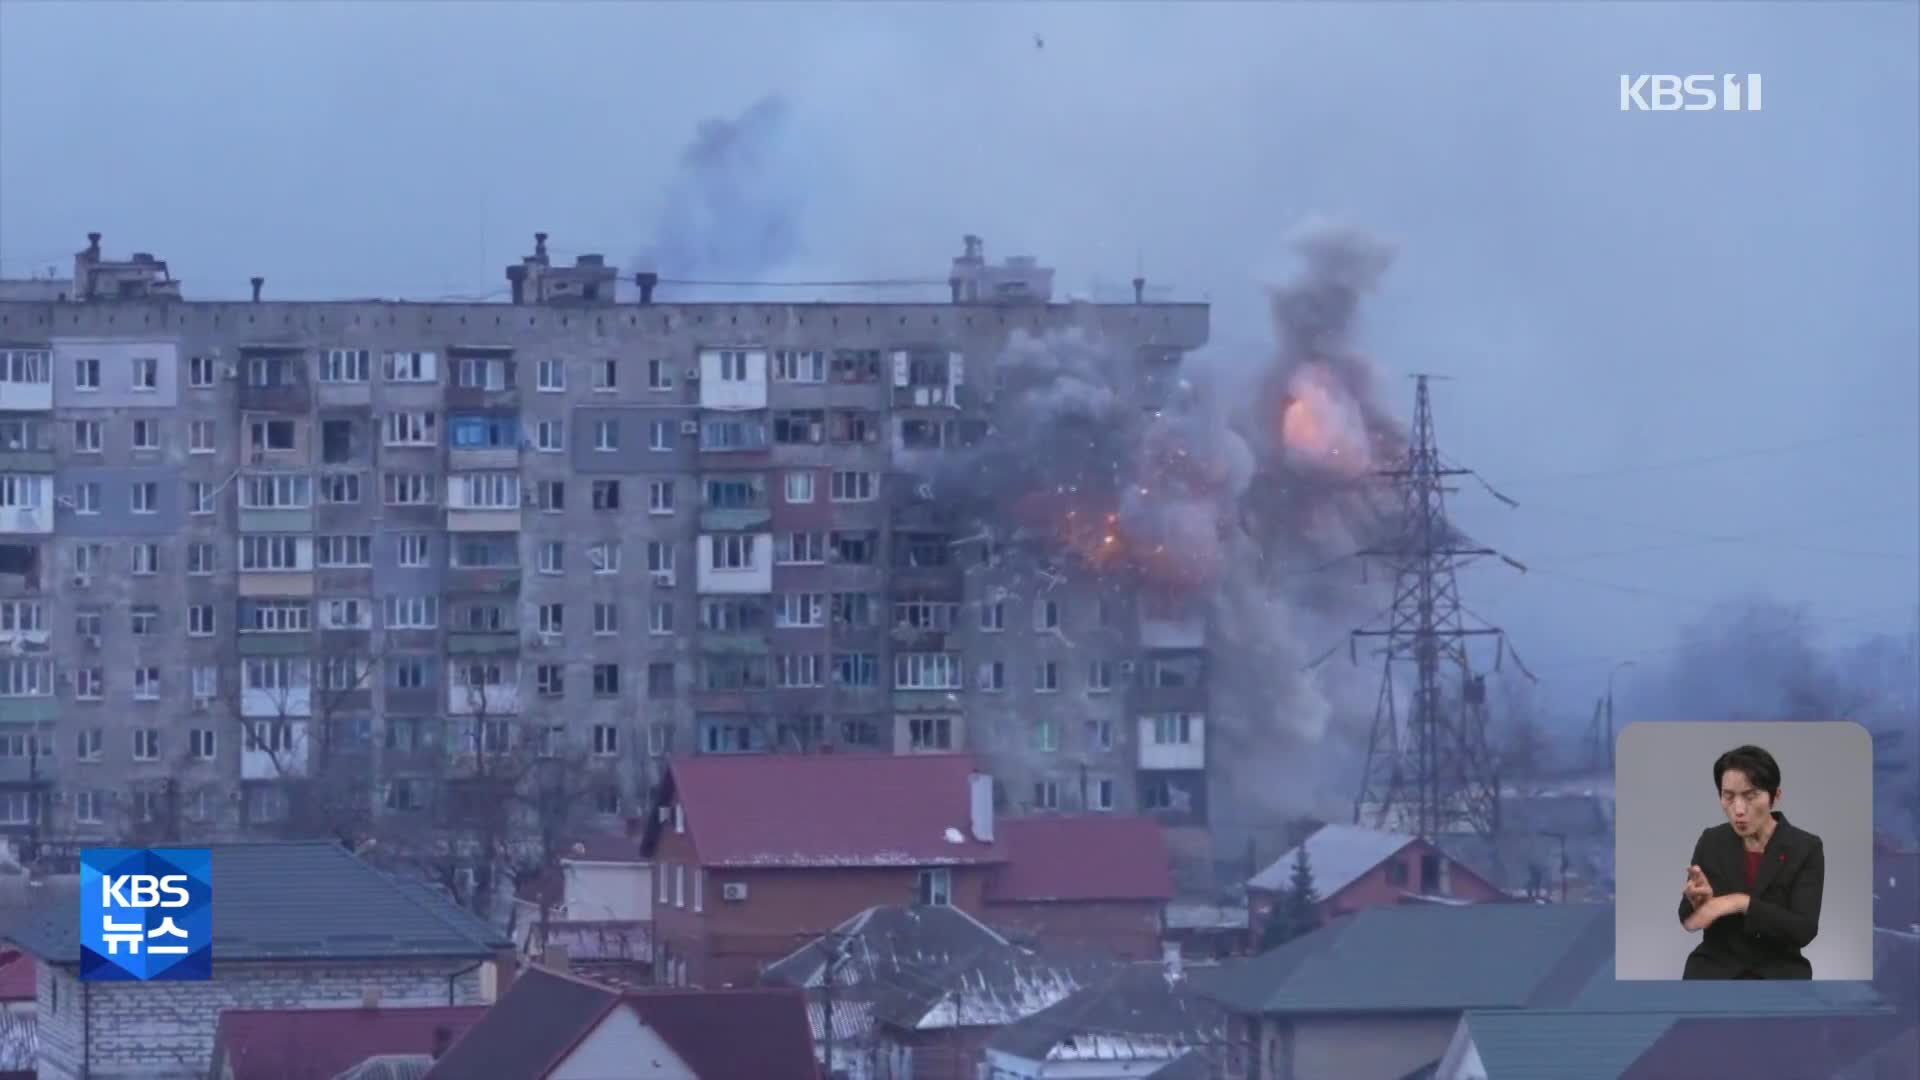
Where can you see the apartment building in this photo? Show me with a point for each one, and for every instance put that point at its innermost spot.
(232, 533)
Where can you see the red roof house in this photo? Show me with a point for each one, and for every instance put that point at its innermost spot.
(754, 854)
(555, 1024)
(1355, 867)
(18, 981)
(1100, 882)
(320, 1044)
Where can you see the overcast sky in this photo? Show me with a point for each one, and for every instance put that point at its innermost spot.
(1685, 342)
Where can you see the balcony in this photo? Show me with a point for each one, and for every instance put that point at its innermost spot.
(275, 583)
(25, 460)
(482, 519)
(26, 396)
(289, 520)
(735, 519)
(486, 580)
(482, 643)
(274, 644)
(1166, 699)
(500, 699)
(484, 377)
(1172, 742)
(282, 397)
(274, 750)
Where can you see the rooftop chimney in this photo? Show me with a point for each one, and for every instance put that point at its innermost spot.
(1139, 290)
(555, 958)
(257, 282)
(442, 1039)
(646, 279)
(93, 245)
(517, 277)
(540, 246)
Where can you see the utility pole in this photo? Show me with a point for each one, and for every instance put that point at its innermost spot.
(1433, 772)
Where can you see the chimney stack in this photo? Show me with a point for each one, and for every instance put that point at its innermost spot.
(646, 279)
(954, 284)
(540, 246)
(555, 959)
(1139, 290)
(93, 245)
(517, 277)
(257, 282)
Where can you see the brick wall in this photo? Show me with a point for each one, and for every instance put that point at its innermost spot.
(1128, 929)
(164, 1030)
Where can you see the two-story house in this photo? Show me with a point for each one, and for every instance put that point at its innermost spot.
(1096, 882)
(1355, 868)
(754, 855)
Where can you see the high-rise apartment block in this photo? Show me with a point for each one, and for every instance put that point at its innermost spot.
(232, 532)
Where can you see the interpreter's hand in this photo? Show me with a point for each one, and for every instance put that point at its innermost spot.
(1697, 890)
(1704, 916)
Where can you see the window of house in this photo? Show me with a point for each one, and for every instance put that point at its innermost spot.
(934, 888)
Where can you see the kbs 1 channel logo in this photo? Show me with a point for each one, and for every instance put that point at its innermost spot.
(146, 914)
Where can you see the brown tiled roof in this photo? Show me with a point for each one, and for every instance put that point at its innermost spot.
(823, 810)
(1096, 857)
(544, 1015)
(317, 1044)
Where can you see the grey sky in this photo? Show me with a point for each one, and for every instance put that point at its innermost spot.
(1616, 294)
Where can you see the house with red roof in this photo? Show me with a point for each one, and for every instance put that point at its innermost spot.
(321, 1044)
(1355, 868)
(756, 854)
(18, 982)
(1099, 882)
(552, 1024)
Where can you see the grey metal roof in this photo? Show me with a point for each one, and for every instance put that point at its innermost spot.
(310, 900)
(1338, 855)
(1137, 1013)
(1419, 958)
(1557, 1044)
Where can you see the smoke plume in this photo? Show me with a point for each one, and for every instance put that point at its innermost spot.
(732, 208)
(1215, 500)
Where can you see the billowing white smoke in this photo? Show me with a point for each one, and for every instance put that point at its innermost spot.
(1228, 511)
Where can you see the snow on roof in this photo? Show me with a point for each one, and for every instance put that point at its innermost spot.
(1338, 855)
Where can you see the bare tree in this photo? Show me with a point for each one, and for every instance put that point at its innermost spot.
(311, 752)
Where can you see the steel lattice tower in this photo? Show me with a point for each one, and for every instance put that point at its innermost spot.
(1429, 773)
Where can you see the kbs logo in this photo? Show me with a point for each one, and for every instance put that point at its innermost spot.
(1689, 93)
(146, 914)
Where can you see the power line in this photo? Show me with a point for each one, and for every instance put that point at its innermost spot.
(1711, 459)
(1699, 538)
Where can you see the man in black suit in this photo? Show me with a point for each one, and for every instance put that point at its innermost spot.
(1755, 883)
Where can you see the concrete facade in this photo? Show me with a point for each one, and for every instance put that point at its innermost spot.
(650, 528)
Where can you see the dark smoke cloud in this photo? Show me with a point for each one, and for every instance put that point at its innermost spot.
(1218, 497)
(732, 208)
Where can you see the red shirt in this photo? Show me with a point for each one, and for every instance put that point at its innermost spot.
(1753, 867)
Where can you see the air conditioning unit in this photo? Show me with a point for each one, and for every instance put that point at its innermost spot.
(663, 579)
(693, 374)
(529, 498)
(689, 427)
(82, 581)
(734, 890)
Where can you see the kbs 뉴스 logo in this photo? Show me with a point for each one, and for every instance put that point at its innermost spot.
(146, 914)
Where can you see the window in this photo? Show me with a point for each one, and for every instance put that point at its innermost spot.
(552, 375)
(606, 494)
(800, 549)
(1046, 736)
(274, 553)
(86, 436)
(552, 496)
(145, 496)
(799, 487)
(550, 436)
(86, 373)
(935, 888)
(413, 550)
(801, 610)
(659, 374)
(200, 497)
(89, 806)
(553, 619)
(408, 489)
(1046, 795)
(660, 435)
(271, 435)
(606, 740)
(993, 617)
(146, 558)
(1100, 734)
(275, 616)
(659, 496)
(731, 551)
(484, 432)
(346, 365)
(349, 613)
(412, 367)
(1173, 728)
(799, 367)
(146, 744)
(146, 373)
(146, 435)
(203, 743)
(146, 684)
(411, 429)
(1046, 616)
(200, 371)
(200, 620)
(606, 435)
(856, 670)
(660, 558)
(606, 617)
(849, 486)
(733, 366)
(606, 376)
(795, 670)
(342, 551)
(926, 671)
(201, 436)
(550, 680)
(22, 616)
(604, 556)
(339, 489)
(606, 680)
(553, 557)
(16, 491)
(411, 612)
(660, 618)
(276, 491)
(490, 491)
(993, 676)
(1046, 677)
(485, 373)
(202, 558)
(930, 733)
